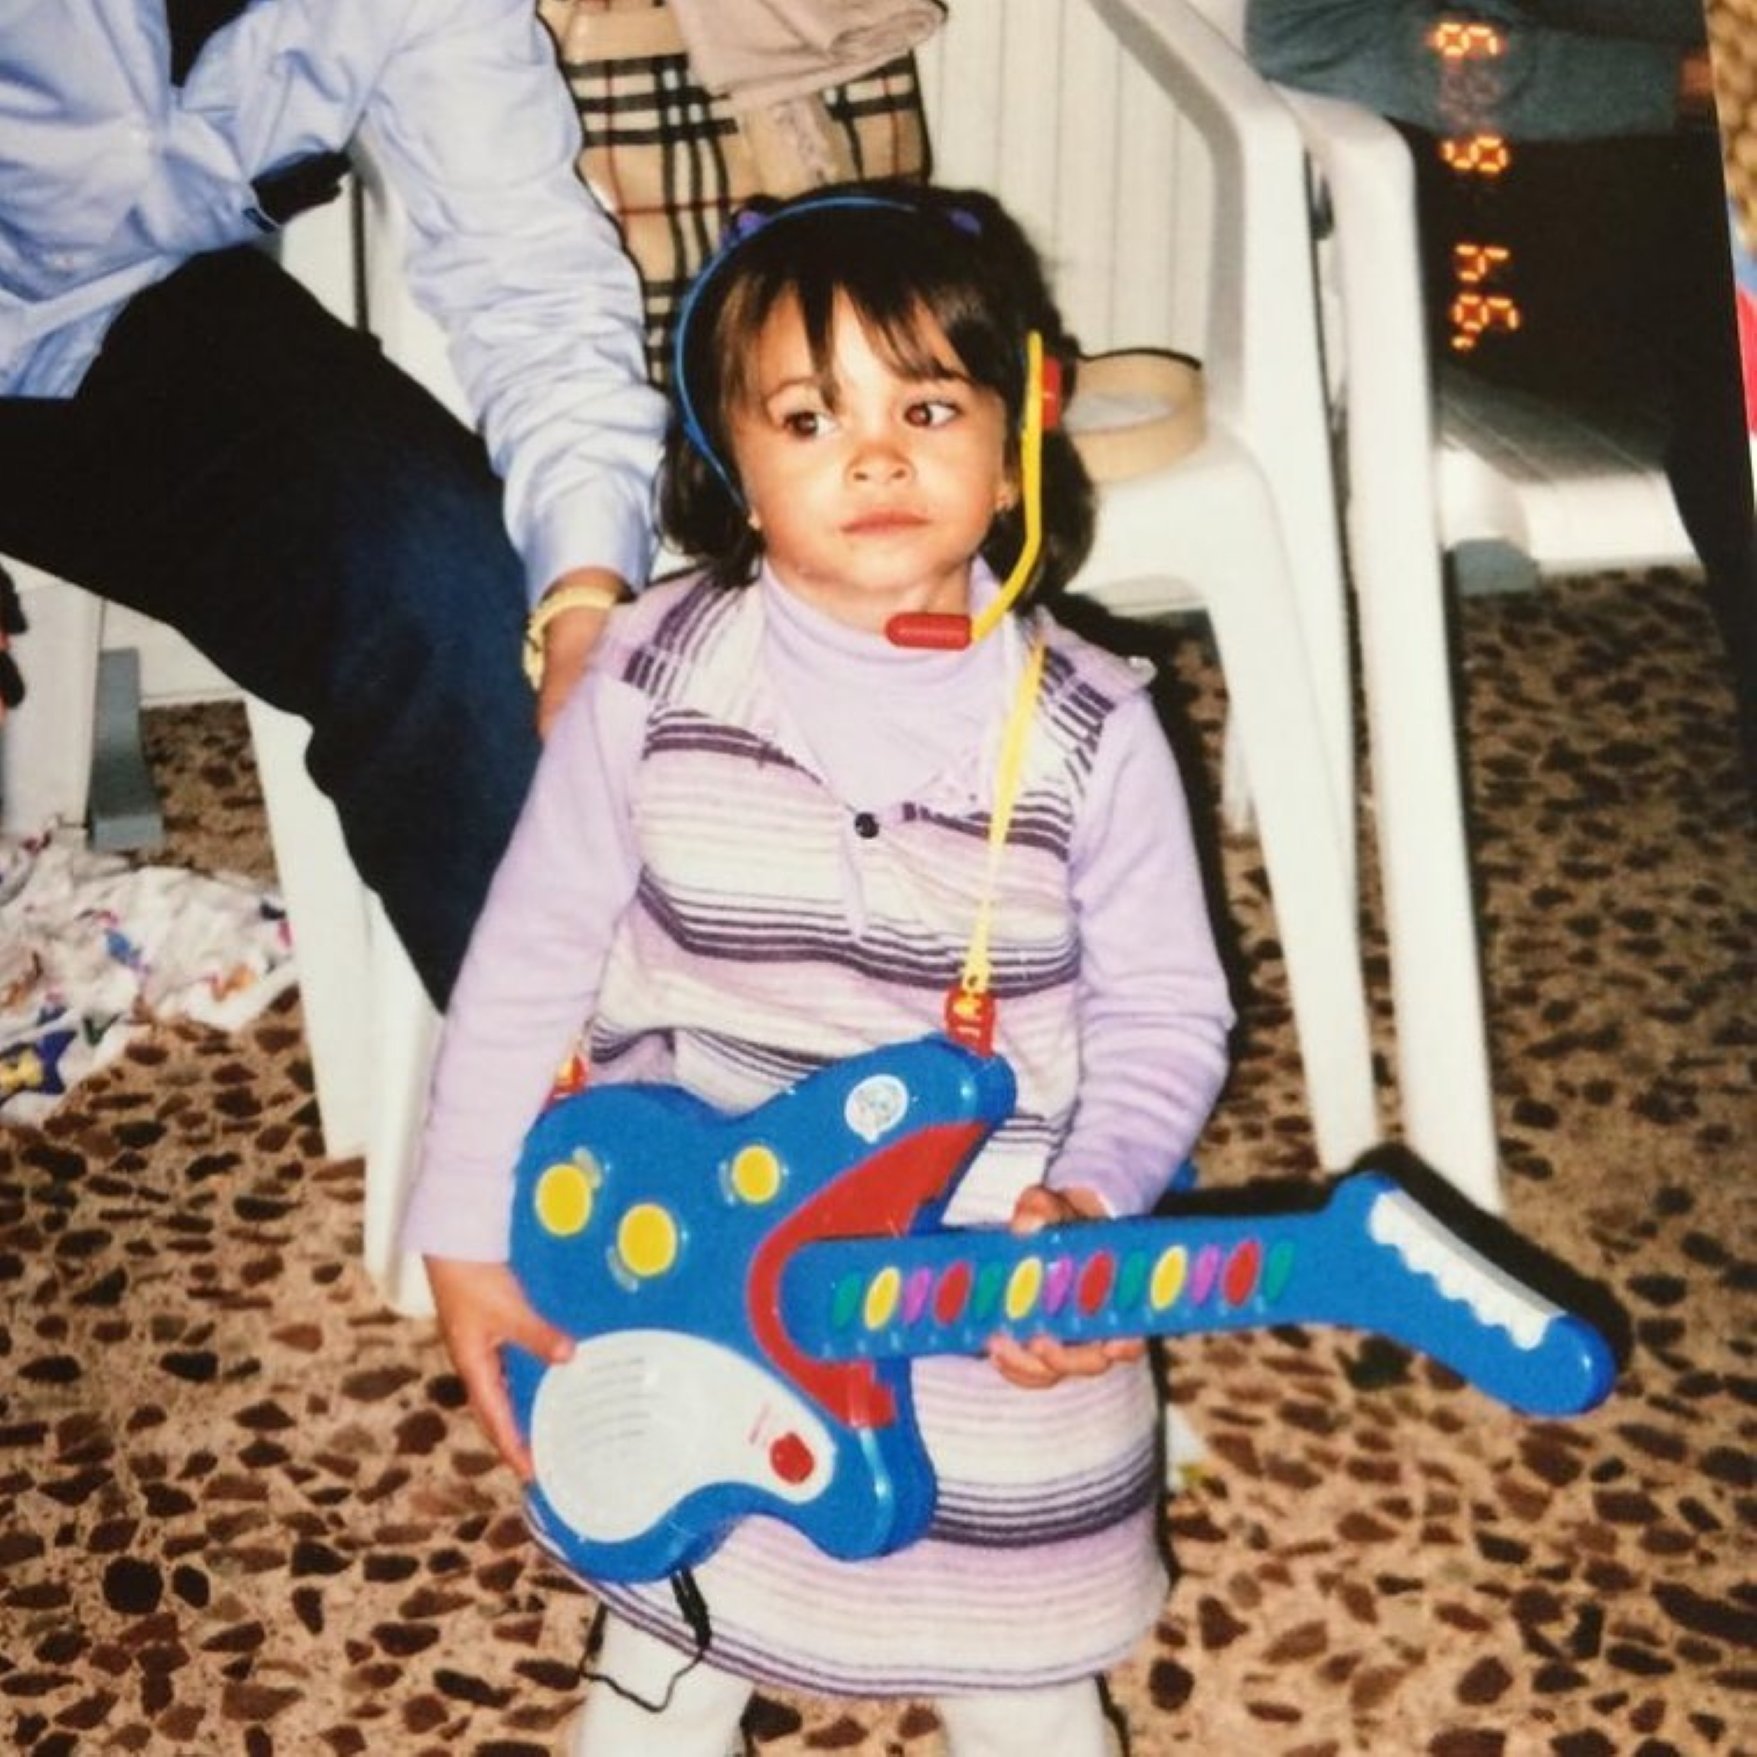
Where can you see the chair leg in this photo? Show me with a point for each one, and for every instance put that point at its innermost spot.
(369, 1023)
(405, 1030)
(46, 746)
(326, 905)
(1249, 593)
(1444, 1077)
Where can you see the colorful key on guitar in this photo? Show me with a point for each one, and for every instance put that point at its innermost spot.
(746, 1291)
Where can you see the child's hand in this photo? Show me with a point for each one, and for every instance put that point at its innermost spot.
(480, 1306)
(575, 607)
(1043, 1361)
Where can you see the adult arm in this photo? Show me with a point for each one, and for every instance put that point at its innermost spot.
(1567, 69)
(472, 126)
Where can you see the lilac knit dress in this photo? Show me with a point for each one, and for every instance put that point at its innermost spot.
(777, 828)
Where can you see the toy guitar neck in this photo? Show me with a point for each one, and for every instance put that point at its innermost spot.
(745, 1291)
(1372, 1258)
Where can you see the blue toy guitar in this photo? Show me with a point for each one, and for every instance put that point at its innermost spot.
(746, 1292)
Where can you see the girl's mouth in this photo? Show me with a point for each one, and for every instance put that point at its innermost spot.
(882, 524)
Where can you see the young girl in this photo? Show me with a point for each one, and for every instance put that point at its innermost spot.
(758, 843)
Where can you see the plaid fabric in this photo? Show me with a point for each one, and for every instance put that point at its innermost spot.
(672, 162)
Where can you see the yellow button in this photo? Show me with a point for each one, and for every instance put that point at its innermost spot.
(564, 1196)
(1168, 1277)
(756, 1174)
(881, 1298)
(1023, 1287)
(646, 1240)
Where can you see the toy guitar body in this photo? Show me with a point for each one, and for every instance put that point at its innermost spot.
(746, 1292)
(655, 1231)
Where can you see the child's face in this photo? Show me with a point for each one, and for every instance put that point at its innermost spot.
(878, 504)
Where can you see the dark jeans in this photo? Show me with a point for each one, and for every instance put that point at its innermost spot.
(242, 466)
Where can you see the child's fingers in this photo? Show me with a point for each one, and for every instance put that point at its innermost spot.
(533, 1333)
(485, 1385)
(1043, 1361)
(1019, 1365)
(1038, 1207)
(481, 1309)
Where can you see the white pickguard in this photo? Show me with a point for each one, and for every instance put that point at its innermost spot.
(639, 1419)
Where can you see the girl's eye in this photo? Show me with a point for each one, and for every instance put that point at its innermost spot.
(806, 423)
(931, 412)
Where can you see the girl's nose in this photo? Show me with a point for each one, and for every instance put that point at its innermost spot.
(879, 459)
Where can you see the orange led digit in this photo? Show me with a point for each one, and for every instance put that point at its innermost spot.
(1475, 315)
(1475, 263)
(1477, 155)
(1456, 39)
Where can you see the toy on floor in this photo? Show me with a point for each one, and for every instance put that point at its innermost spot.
(747, 1290)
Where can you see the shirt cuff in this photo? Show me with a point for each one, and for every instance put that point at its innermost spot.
(603, 530)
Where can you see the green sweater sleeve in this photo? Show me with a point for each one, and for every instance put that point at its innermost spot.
(1554, 79)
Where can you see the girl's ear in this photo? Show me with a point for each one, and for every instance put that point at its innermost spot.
(1007, 495)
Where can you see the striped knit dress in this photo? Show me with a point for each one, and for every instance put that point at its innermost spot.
(769, 936)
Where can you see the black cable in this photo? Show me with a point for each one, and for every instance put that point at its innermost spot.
(694, 1610)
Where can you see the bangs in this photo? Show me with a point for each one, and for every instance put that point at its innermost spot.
(924, 313)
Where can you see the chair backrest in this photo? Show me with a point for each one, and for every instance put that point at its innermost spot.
(1040, 106)
(1166, 186)
(1103, 125)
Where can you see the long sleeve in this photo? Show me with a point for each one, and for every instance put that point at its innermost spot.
(471, 123)
(111, 179)
(1154, 1011)
(1567, 69)
(531, 976)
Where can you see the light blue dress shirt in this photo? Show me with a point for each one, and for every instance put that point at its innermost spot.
(110, 179)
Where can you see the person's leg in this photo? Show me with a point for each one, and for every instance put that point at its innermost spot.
(243, 467)
(1708, 459)
(702, 1706)
(1065, 1720)
(1627, 306)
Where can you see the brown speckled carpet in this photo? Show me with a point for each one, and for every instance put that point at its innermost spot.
(242, 1512)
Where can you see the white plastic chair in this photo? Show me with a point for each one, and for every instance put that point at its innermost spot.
(1426, 475)
(1204, 528)
(1243, 526)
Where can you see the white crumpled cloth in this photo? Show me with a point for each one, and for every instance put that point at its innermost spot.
(95, 950)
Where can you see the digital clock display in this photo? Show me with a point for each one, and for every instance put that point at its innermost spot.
(1481, 300)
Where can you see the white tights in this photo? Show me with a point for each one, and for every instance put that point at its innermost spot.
(701, 1719)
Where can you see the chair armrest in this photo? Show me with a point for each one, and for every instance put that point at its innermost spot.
(317, 250)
